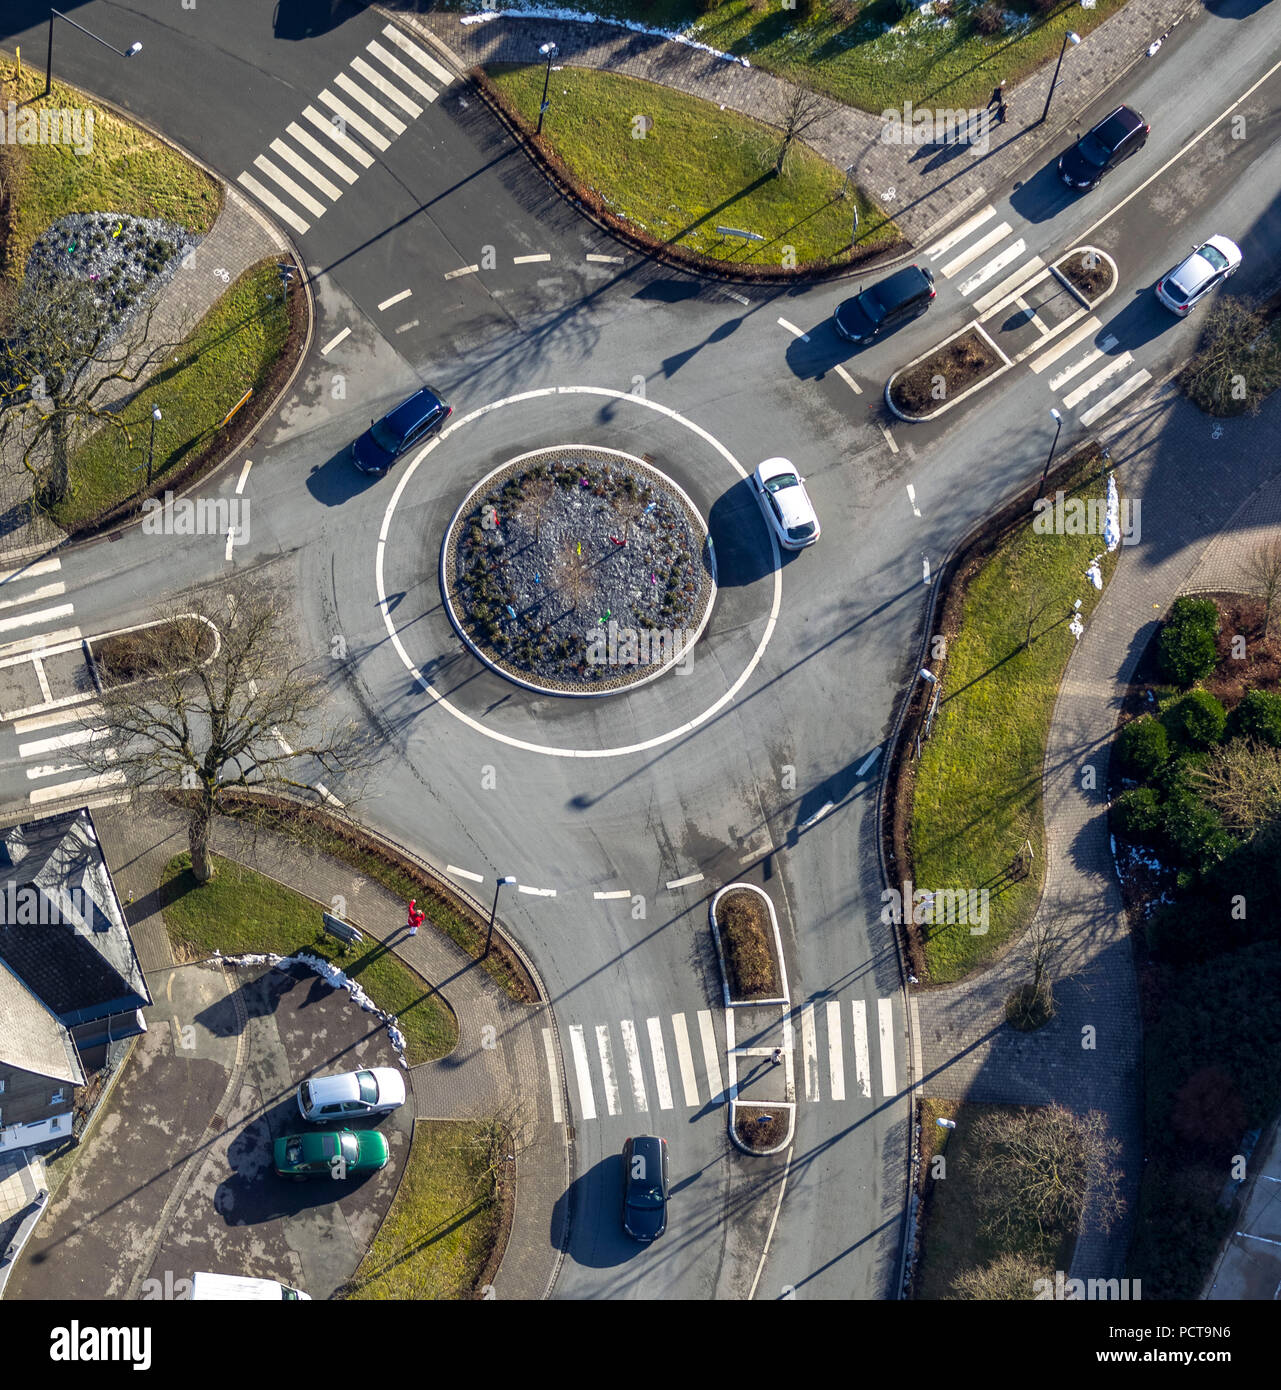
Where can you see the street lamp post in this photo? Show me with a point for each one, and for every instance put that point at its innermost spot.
(498, 888)
(549, 51)
(1058, 425)
(1069, 37)
(48, 67)
(151, 448)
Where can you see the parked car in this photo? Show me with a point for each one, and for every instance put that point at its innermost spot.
(1098, 151)
(336, 1153)
(351, 1094)
(412, 422)
(645, 1186)
(904, 295)
(1205, 269)
(780, 490)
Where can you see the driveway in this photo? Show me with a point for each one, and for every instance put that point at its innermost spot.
(177, 1174)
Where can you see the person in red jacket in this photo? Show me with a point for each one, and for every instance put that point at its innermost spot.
(416, 917)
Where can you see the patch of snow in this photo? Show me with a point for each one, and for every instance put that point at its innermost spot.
(1112, 526)
(1076, 627)
(1094, 574)
(248, 960)
(586, 17)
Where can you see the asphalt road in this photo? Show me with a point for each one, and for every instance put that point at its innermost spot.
(492, 781)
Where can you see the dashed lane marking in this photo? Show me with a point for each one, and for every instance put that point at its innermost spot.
(466, 270)
(405, 327)
(527, 260)
(244, 474)
(848, 380)
(464, 873)
(682, 882)
(615, 893)
(605, 260)
(794, 331)
(889, 438)
(536, 892)
(911, 497)
(333, 342)
(395, 299)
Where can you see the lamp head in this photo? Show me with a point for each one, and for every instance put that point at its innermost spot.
(132, 49)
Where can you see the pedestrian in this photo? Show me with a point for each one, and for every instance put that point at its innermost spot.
(998, 94)
(777, 1056)
(1000, 112)
(416, 917)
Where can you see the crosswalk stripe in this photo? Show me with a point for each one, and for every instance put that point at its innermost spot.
(35, 596)
(980, 248)
(419, 55)
(549, 1052)
(56, 769)
(41, 615)
(389, 89)
(835, 1056)
(1021, 280)
(30, 571)
(994, 266)
(61, 790)
(862, 1057)
(269, 200)
(357, 93)
(1091, 384)
(711, 1058)
(406, 75)
(809, 1052)
(40, 644)
(661, 1083)
(958, 234)
(885, 1027)
(295, 190)
(307, 170)
(340, 137)
(327, 157)
(1079, 366)
(634, 1072)
(685, 1060)
(355, 122)
(1115, 397)
(583, 1072)
(53, 744)
(1065, 345)
(607, 1068)
(49, 721)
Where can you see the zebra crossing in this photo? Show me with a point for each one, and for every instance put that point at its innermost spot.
(1107, 369)
(373, 100)
(47, 696)
(667, 1062)
(960, 257)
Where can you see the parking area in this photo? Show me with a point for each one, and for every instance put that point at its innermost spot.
(177, 1174)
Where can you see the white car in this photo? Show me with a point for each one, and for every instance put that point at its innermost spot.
(780, 490)
(351, 1095)
(1208, 266)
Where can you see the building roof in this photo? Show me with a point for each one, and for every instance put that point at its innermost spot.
(62, 929)
(32, 1038)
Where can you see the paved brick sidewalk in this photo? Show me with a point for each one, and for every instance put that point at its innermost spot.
(1198, 491)
(920, 187)
(499, 1065)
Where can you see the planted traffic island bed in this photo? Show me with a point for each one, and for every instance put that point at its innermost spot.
(762, 1129)
(936, 382)
(133, 654)
(747, 939)
(578, 571)
(1089, 271)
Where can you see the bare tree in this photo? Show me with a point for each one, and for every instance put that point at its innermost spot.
(1262, 570)
(210, 715)
(1243, 783)
(800, 110)
(1237, 363)
(1010, 1276)
(536, 503)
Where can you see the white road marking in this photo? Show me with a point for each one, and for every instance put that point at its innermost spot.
(1115, 397)
(848, 379)
(634, 1073)
(1091, 384)
(911, 497)
(54, 744)
(536, 892)
(867, 762)
(741, 298)
(48, 703)
(51, 721)
(549, 1051)
(862, 1057)
(41, 679)
(406, 75)
(659, 1058)
(79, 787)
(796, 332)
(232, 532)
(527, 260)
(45, 591)
(682, 882)
(1019, 283)
(340, 137)
(269, 200)
(30, 571)
(994, 266)
(56, 769)
(333, 342)
(389, 89)
(889, 438)
(607, 1069)
(313, 147)
(1056, 382)
(685, 1060)
(825, 809)
(607, 260)
(925, 569)
(395, 299)
(583, 1072)
(711, 1060)
(357, 93)
(466, 270)
(405, 327)
(419, 55)
(307, 170)
(41, 615)
(464, 873)
(295, 190)
(835, 1055)
(613, 893)
(1065, 345)
(958, 234)
(43, 644)
(244, 475)
(971, 253)
(809, 1052)
(885, 1026)
(354, 122)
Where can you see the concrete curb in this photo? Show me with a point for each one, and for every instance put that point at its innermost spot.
(973, 327)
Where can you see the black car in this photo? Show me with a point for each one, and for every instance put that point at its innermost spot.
(645, 1187)
(1113, 140)
(899, 297)
(412, 422)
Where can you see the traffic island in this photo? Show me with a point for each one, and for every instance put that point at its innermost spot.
(945, 375)
(1088, 273)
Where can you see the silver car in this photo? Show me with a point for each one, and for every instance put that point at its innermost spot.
(1206, 268)
(351, 1095)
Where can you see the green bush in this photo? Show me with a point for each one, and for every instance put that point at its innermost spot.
(1185, 648)
(1195, 831)
(1137, 814)
(1197, 720)
(1257, 717)
(1143, 747)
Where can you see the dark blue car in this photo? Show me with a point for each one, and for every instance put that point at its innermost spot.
(412, 422)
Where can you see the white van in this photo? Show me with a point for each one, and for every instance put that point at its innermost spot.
(239, 1287)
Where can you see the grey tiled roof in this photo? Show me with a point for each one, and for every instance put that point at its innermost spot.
(32, 1038)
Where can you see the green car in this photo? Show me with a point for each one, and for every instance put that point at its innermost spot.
(338, 1153)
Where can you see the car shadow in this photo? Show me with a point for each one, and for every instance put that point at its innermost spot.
(597, 1239)
(306, 19)
(338, 480)
(811, 361)
(1140, 321)
(741, 538)
(1044, 195)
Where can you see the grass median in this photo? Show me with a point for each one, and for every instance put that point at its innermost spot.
(242, 912)
(673, 168)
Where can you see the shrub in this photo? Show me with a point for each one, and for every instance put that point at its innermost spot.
(1195, 831)
(1137, 814)
(1257, 717)
(1185, 648)
(1198, 719)
(1143, 747)
(987, 19)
